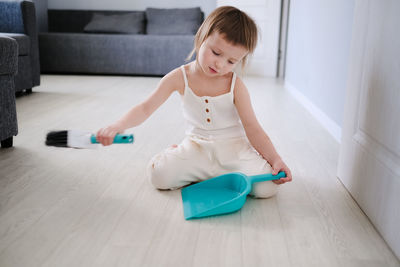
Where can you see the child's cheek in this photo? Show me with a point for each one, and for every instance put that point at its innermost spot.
(206, 56)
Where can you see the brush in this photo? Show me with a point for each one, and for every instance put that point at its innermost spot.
(81, 139)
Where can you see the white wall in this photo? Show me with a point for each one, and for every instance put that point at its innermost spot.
(206, 5)
(266, 14)
(318, 48)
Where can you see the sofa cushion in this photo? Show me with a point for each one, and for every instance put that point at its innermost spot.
(130, 23)
(11, 17)
(138, 54)
(23, 41)
(174, 21)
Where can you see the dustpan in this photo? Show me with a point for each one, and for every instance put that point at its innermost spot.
(220, 195)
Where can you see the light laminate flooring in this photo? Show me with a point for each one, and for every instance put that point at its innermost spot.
(77, 207)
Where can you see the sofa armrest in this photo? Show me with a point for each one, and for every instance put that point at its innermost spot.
(30, 29)
(8, 68)
(28, 14)
(8, 55)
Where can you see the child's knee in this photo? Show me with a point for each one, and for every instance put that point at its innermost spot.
(265, 189)
(161, 173)
(156, 173)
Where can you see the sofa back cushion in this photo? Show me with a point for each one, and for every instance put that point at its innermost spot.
(130, 23)
(174, 21)
(64, 20)
(11, 17)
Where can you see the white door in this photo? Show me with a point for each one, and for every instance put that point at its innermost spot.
(267, 15)
(369, 163)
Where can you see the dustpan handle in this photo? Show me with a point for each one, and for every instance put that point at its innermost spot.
(266, 177)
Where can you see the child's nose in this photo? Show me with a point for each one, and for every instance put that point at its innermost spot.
(219, 64)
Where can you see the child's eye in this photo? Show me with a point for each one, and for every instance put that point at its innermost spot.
(230, 62)
(215, 53)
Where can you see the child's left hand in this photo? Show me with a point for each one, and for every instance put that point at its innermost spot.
(278, 166)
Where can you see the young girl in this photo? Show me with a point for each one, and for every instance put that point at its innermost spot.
(224, 134)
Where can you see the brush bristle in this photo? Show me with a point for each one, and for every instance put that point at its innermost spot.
(57, 138)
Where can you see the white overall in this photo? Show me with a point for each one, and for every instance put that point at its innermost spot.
(215, 144)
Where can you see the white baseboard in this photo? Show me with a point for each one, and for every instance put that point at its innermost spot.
(332, 127)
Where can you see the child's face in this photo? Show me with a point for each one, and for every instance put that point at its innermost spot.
(218, 57)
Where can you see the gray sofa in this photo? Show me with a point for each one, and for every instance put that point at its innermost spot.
(8, 70)
(150, 42)
(18, 21)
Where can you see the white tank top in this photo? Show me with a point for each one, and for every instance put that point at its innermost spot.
(211, 117)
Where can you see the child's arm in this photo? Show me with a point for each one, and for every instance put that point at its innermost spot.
(256, 134)
(139, 113)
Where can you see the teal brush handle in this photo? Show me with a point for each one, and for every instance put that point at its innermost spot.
(266, 177)
(119, 139)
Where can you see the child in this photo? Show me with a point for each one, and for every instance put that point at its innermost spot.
(216, 105)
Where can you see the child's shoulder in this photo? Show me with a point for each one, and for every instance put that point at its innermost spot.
(175, 79)
(175, 74)
(239, 82)
(239, 88)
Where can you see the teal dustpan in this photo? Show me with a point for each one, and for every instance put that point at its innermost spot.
(223, 194)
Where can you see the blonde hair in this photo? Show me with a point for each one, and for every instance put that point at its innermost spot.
(235, 26)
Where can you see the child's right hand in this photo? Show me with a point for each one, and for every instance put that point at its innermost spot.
(105, 136)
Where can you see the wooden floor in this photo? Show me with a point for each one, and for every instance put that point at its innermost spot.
(69, 207)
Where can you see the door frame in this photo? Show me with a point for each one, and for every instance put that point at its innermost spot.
(283, 35)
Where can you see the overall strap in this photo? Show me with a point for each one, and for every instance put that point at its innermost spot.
(184, 76)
